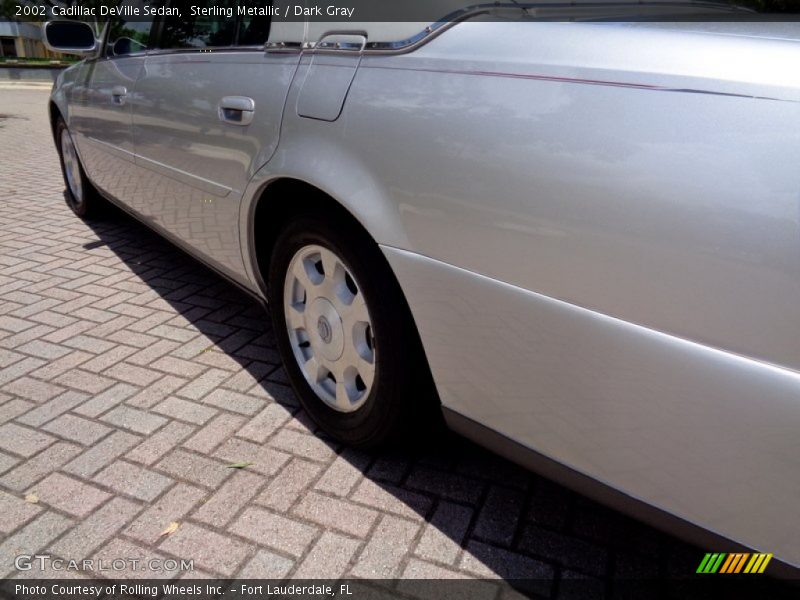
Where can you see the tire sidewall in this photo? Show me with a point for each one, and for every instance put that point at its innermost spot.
(79, 207)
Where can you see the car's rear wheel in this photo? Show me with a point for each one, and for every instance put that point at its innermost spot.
(345, 333)
(81, 196)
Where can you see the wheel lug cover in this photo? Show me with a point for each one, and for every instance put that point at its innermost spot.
(329, 328)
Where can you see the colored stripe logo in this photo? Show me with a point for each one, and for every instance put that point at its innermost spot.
(736, 562)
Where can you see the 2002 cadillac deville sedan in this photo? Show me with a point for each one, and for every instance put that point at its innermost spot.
(582, 237)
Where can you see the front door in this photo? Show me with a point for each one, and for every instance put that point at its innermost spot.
(101, 113)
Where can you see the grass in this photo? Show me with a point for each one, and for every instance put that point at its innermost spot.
(6, 60)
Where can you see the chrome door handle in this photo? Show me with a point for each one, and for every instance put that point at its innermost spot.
(236, 110)
(118, 93)
(342, 40)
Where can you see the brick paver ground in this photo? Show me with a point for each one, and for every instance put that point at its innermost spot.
(131, 376)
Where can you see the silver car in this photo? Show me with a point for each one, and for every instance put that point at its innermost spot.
(578, 241)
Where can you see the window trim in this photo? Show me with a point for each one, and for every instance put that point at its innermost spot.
(211, 50)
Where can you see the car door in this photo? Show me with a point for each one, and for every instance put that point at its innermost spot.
(101, 113)
(206, 115)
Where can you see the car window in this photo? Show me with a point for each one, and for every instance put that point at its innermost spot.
(214, 25)
(253, 31)
(127, 37)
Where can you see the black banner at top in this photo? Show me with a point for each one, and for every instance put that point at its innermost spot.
(425, 11)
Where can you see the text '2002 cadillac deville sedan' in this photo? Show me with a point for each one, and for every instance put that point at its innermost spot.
(577, 240)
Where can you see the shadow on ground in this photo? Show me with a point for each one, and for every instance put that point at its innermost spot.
(488, 516)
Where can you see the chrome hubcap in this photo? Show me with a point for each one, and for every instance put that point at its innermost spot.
(71, 166)
(329, 328)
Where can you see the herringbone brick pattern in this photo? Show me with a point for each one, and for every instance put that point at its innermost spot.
(131, 376)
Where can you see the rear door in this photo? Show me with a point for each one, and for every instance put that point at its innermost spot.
(206, 115)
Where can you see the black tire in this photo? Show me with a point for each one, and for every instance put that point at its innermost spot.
(402, 387)
(90, 203)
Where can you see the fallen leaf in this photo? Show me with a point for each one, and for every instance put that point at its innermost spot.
(32, 498)
(239, 465)
(171, 528)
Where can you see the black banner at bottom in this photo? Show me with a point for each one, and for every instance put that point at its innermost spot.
(423, 589)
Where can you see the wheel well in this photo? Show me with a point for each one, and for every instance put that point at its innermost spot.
(285, 199)
(278, 203)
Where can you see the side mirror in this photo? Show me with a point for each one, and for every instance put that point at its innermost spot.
(74, 37)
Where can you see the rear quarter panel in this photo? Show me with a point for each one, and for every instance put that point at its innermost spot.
(598, 236)
(570, 173)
